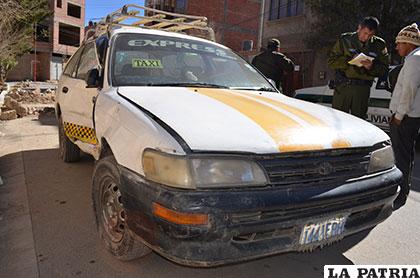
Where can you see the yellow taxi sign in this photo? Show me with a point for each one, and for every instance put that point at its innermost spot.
(147, 63)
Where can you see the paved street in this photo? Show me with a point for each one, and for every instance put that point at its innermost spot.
(47, 226)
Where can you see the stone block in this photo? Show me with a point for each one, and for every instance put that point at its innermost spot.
(10, 102)
(8, 115)
(14, 105)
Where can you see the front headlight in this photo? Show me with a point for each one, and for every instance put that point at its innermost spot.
(381, 159)
(167, 169)
(214, 172)
(201, 172)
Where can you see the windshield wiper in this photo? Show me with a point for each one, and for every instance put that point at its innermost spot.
(265, 89)
(188, 84)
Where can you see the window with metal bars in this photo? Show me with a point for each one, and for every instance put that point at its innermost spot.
(285, 8)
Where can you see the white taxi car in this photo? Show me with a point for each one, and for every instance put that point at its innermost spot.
(201, 159)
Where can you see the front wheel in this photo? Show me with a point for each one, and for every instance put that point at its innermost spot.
(110, 214)
(68, 151)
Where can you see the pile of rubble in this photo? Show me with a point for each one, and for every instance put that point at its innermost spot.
(22, 100)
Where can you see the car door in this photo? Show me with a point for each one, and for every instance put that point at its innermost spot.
(76, 101)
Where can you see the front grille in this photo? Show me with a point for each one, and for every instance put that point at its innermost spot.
(263, 235)
(314, 209)
(317, 167)
(353, 221)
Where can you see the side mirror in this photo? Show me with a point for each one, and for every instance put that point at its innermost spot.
(382, 84)
(92, 79)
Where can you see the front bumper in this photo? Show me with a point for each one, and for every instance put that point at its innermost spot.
(248, 223)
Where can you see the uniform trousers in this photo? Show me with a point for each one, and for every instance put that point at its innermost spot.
(352, 99)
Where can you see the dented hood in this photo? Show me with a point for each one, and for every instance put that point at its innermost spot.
(250, 121)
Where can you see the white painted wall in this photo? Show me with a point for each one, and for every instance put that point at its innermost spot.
(56, 68)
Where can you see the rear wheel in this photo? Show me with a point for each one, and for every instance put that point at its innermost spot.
(68, 152)
(110, 215)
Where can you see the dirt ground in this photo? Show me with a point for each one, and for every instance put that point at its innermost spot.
(47, 225)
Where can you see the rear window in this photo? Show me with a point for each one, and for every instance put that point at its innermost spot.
(310, 98)
(373, 102)
(379, 103)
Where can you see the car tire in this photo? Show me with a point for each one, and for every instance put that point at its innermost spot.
(110, 215)
(68, 151)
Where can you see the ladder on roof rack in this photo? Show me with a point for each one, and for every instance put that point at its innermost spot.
(155, 19)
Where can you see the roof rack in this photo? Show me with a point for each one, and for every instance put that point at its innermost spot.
(143, 17)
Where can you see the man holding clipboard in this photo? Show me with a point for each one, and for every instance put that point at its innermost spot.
(357, 58)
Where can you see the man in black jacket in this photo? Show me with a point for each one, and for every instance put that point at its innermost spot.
(272, 63)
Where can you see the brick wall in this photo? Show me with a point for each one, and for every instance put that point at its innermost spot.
(234, 21)
(25, 67)
(60, 16)
(291, 31)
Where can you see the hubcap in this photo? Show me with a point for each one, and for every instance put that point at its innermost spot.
(113, 215)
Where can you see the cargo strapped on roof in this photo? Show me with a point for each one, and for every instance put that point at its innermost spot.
(133, 15)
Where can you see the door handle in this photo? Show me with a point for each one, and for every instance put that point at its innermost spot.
(93, 100)
(65, 90)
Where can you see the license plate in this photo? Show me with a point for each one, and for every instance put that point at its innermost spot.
(322, 230)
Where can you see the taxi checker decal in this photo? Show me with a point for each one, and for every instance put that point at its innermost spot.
(294, 132)
(82, 133)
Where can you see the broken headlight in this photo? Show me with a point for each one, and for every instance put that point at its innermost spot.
(381, 159)
(201, 172)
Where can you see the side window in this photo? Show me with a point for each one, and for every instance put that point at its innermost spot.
(71, 66)
(88, 61)
(382, 82)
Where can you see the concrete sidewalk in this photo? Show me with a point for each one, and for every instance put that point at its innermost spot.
(17, 247)
(16, 237)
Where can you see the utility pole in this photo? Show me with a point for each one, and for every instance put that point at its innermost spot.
(35, 52)
(261, 29)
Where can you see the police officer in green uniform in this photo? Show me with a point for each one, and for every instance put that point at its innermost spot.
(352, 83)
(272, 63)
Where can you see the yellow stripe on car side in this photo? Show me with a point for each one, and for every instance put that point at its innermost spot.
(336, 143)
(279, 126)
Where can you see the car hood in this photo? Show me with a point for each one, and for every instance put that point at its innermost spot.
(248, 121)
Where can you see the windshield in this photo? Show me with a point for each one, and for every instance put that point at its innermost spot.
(150, 60)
